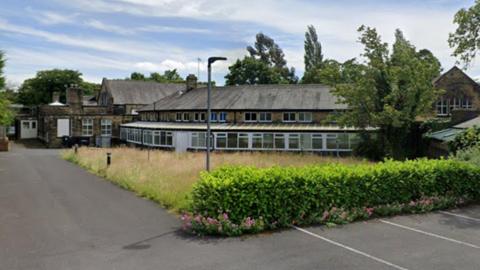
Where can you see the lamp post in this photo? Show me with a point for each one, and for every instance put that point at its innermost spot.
(211, 60)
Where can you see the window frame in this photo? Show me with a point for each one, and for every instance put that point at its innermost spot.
(87, 128)
(289, 118)
(106, 127)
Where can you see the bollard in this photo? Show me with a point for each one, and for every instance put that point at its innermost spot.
(76, 149)
(109, 159)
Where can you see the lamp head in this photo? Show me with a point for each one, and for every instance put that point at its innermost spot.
(215, 58)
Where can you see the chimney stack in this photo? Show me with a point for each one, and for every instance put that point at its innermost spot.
(191, 82)
(55, 97)
(74, 96)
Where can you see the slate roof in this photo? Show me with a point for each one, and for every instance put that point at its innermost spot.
(445, 135)
(470, 123)
(139, 92)
(253, 97)
(238, 127)
(89, 101)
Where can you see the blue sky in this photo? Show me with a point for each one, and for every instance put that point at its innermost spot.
(112, 38)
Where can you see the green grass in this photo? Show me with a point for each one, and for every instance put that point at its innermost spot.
(167, 177)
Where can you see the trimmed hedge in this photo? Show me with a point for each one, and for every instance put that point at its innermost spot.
(285, 196)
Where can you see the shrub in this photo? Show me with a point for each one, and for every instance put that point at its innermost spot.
(470, 155)
(468, 138)
(284, 196)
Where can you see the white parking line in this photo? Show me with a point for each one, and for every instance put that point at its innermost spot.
(350, 249)
(430, 234)
(461, 216)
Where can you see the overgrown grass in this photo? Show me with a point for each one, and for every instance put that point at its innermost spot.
(167, 177)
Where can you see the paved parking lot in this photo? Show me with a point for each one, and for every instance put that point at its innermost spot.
(54, 215)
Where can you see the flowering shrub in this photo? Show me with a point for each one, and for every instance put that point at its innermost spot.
(330, 194)
(222, 225)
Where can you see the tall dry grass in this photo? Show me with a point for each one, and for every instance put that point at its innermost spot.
(168, 177)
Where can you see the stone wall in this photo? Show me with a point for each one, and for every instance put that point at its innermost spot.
(457, 84)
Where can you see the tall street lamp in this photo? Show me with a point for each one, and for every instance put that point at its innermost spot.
(211, 60)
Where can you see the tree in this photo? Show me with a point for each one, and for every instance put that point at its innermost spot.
(392, 90)
(466, 38)
(2, 66)
(137, 76)
(266, 64)
(39, 90)
(252, 71)
(6, 114)
(313, 57)
(169, 76)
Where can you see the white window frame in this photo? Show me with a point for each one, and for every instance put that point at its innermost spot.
(307, 117)
(178, 117)
(186, 117)
(87, 127)
(442, 107)
(213, 117)
(263, 117)
(106, 127)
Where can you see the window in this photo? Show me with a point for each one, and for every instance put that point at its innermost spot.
(257, 140)
(222, 117)
(268, 141)
(147, 137)
(442, 107)
(106, 127)
(243, 140)
(232, 140)
(279, 141)
(221, 140)
(306, 141)
(25, 124)
(162, 138)
(456, 104)
(305, 117)
(343, 141)
(87, 127)
(354, 140)
(265, 117)
(164, 117)
(199, 117)
(289, 117)
(213, 117)
(466, 104)
(186, 117)
(198, 140)
(332, 141)
(317, 141)
(178, 117)
(156, 138)
(250, 117)
(34, 124)
(293, 141)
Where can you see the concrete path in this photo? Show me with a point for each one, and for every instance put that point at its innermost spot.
(54, 215)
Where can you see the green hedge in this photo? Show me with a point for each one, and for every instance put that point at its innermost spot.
(282, 196)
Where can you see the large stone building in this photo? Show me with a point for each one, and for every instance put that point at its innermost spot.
(249, 117)
(95, 120)
(459, 105)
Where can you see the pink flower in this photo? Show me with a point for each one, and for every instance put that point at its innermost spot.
(249, 222)
(198, 219)
(412, 203)
(225, 216)
(369, 210)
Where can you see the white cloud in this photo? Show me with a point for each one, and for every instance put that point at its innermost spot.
(51, 18)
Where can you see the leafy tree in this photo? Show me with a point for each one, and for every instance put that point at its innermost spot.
(313, 57)
(391, 92)
(6, 114)
(466, 38)
(252, 71)
(467, 139)
(332, 72)
(266, 64)
(39, 90)
(169, 76)
(137, 76)
(90, 88)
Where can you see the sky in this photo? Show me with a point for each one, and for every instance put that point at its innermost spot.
(113, 38)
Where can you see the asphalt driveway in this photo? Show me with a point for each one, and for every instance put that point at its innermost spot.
(54, 215)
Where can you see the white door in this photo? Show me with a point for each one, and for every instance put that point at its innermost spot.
(28, 129)
(181, 141)
(63, 127)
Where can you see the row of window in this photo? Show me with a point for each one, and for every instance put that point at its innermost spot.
(147, 137)
(277, 141)
(252, 117)
(105, 127)
(445, 105)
